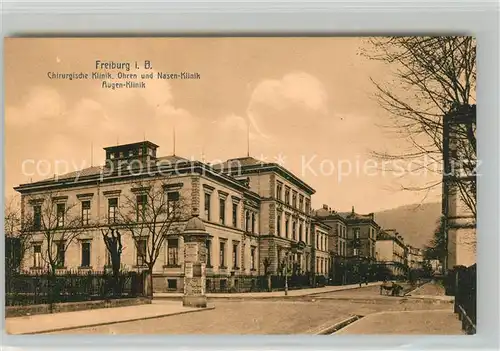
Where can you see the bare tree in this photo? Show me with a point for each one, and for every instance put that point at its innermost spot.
(153, 211)
(53, 220)
(434, 77)
(16, 244)
(113, 241)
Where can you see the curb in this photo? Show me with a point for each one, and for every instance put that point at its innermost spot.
(345, 289)
(368, 300)
(429, 299)
(337, 326)
(256, 297)
(113, 322)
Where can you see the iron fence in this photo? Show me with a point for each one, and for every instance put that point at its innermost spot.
(22, 289)
(465, 297)
(227, 284)
(248, 283)
(348, 272)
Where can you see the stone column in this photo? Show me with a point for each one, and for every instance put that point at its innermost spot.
(195, 259)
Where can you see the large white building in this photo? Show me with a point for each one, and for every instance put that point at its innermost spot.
(258, 215)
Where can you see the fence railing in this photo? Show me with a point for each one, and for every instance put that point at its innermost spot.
(247, 283)
(24, 289)
(465, 297)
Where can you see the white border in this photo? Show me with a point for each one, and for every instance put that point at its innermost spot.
(234, 18)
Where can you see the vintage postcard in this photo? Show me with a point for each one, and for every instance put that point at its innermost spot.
(274, 185)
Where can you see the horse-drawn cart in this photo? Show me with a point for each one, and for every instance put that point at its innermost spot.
(391, 288)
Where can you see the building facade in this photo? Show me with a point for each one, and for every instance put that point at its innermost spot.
(392, 252)
(337, 243)
(321, 239)
(254, 218)
(286, 226)
(415, 257)
(362, 231)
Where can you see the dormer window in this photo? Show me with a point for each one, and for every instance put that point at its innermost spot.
(112, 155)
(121, 154)
(131, 153)
(140, 151)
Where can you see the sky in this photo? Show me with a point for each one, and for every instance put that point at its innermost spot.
(306, 103)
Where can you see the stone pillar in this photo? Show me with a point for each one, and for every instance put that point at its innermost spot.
(195, 259)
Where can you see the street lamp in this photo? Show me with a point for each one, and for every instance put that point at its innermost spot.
(359, 263)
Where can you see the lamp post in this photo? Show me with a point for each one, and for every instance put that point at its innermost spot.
(358, 259)
(286, 273)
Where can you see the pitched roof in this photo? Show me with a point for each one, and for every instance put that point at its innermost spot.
(96, 170)
(85, 172)
(172, 159)
(234, 163)
(249, 164)
(356, 216)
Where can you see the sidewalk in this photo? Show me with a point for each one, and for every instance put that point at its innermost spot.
(273, 294)
(449, 299)
(430, 291)
(45, 323)
(436, 322)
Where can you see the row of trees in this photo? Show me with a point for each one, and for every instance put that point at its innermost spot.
(147, 214)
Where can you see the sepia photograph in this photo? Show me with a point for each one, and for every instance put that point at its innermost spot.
(240, 185)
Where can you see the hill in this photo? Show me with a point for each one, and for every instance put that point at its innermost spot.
(416, 223)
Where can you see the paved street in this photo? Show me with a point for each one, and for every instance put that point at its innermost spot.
(255, 317)
(269, 315)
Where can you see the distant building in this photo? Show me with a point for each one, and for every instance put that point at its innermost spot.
(362, 231)
(436, 265)
(321, 242)
(392, 251)
(337, 246)
(352, 241)
(415, 257)
(337, 243)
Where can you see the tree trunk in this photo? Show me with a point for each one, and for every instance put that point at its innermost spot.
(149, 283)
(116, 276)
(51, 288)
(116, 283)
